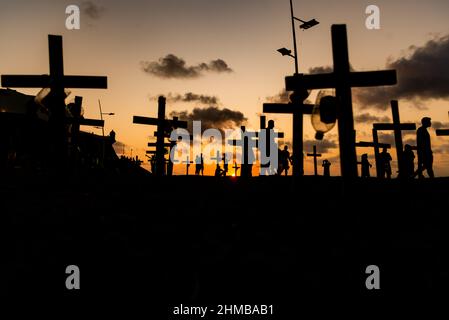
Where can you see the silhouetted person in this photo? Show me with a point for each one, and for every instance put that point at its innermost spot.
(326, 168)
(224, 172)
(425, 155)
(218, 171)
(408, 162)
(197, 165)
(385, 163)
(202, 165)
(366, 165)
(284, 161)
(112, 136)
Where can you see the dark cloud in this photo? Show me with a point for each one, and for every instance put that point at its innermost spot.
(212, 118)
(322, 69)
(281, 97)
(190, 97)
(439, 125)
(172, 66)
(422, 75)
(92, 10)
(323, 146)
(369, 118)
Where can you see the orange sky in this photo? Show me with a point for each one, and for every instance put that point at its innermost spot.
(244, 33)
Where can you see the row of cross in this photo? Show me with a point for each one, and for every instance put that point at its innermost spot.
(342, 79)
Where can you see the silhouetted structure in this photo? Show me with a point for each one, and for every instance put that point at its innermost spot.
(442, 132)
(164, 128)
(247, 151)
(342, 79)
(56, 81)
(187, 162)
(397, 127)
(267, 168)
(425, 155)
(236, 168)
(326, 168)
(376, 145)
(315, 155)
(298, 109)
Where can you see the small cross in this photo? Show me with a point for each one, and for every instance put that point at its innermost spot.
(315, 155)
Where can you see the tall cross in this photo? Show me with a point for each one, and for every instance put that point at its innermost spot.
(376, 145)
(397, 127)
(57, 82)
(343, 80)
(297, 108)
(163, 126)
(442, 132)
(315, 155)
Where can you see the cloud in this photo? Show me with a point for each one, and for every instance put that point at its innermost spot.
(369, 118)
(173, 67)
(322, 69)
(281, 97)
(190, 97)
(322, 146)
(439, 125)
(422, 75)
(212, 118)
(92, 10)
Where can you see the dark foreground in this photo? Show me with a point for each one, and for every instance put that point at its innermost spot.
(202, 241)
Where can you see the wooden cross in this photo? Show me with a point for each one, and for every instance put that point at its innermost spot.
(78, 120)
(163, 126)
(342, 79)
(57, 82)
(397, 127)
(297, 109)
(244, 143)
(442, 132)
(376, 145)
(315, 155)
(187, 162)
(236, 168)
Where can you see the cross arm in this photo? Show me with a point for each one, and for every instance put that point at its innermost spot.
(330, 80)
(44, 81)
(442, 132)
(392, 126)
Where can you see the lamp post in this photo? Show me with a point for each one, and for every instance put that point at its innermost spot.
(102, 131)
(304, 25)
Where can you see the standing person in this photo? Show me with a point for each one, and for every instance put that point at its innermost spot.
(366, 165)
(385, 163)
(284, 161)
(202, 165)
(425, 155)
(409, 162)
(225, 166)
(326, 168)
(197, 165)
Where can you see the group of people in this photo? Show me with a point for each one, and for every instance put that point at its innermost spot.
(424, 151)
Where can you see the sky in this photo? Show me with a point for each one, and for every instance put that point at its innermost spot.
(203, 53)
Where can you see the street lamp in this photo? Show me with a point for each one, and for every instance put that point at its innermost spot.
(305, 25)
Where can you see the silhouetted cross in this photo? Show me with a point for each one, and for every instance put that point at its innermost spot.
(163, 126)
(187, 162)
(397, 127)
(315, 155)
(245, 145)
(376, 145)
(57, 82)
(442, 132)
(298, 110)
(342, 79)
